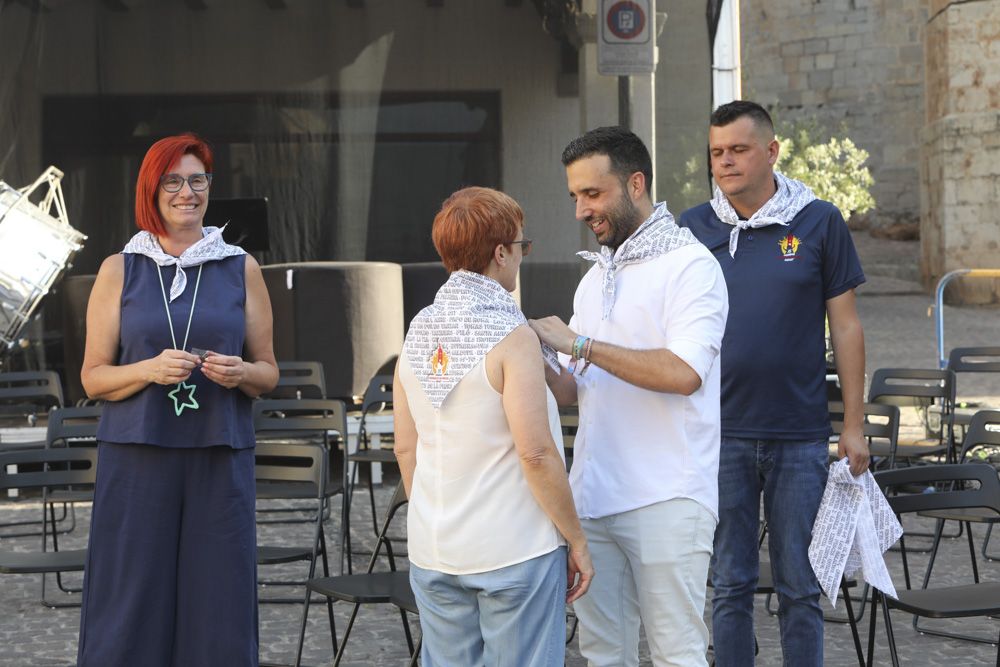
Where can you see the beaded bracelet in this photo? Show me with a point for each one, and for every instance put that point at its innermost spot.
(586, 355)
(580, 350)
(574, 353)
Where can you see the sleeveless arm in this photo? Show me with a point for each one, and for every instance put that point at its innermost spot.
(262, 369)
(525, 405)
(101, 375)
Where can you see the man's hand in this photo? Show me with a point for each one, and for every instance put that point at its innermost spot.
(579, 571)
(854, 446)
(554, 332)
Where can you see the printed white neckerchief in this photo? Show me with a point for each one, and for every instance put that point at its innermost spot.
(790, 197)
(210, 247)
(471, 313)
(854, 527)
(658, 235)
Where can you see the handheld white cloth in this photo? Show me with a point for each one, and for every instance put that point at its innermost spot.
(853, 528)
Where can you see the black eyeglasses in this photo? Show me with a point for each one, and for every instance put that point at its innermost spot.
(174, 182)
(525, 246)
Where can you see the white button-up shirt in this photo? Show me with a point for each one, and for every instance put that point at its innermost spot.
(636, 447)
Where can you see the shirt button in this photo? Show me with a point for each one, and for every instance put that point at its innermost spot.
(749, 237)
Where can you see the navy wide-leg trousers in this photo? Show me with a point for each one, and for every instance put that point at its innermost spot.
(171, 574)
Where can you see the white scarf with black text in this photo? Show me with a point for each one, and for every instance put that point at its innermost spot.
(790, 197)
(658, 235)
(471, 313)
(210, 247)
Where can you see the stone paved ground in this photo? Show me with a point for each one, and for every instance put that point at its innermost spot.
(32, 635)
(898, 333)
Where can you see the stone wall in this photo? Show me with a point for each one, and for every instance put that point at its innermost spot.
(960, 166)
(856, 64)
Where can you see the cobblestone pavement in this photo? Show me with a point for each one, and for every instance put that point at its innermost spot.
(898, 333)
(32, 635)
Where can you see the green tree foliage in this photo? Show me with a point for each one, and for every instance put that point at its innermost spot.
(834, 169)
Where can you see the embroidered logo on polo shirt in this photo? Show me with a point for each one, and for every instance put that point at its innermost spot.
(439, 361)
(789, 247)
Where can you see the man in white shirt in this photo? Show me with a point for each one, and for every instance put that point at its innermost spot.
(643, 363)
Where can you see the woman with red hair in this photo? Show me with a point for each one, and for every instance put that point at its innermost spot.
(178, 344)
(493, 535)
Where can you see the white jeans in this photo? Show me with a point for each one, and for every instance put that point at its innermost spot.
(651, 564)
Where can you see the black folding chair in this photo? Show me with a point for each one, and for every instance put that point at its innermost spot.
(923, 389)
(299, 379)
(971, 360)
(920, 388)
(293, 463)
(377, 399)
(64, 425)
(958, 486)
(880, 428)
(404, 599)
(25, 396)
(40, 470)
(368, 588)
(983, 431)
(319, 422)
(70, 427)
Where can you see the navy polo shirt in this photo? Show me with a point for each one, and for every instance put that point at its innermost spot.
(773, 351)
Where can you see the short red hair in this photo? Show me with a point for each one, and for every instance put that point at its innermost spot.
(471, 224)
(160, 157)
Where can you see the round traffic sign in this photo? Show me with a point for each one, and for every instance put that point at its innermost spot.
(626, 19)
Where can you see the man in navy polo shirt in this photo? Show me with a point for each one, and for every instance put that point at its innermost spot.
(788, 259)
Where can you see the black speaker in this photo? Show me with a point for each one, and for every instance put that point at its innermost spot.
(421, 282)
(346, 315)
(75, 297)
(245, 220)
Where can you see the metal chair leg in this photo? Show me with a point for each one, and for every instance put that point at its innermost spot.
(871, 629)
(986, 542)
(406, 630)
(886, 612)
(420, 642)
(347, 633)
(927, 577)
(972, 553)
(853, 622)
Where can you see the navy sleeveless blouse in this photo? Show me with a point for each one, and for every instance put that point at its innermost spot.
(219, 324)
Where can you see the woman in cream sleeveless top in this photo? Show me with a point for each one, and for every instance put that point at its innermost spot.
(492, 530)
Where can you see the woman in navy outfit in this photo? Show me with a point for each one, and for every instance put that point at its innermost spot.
(178, 344)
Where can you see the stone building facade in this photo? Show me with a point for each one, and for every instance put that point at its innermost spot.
(960, 169)
(913, 82)
(856, 64)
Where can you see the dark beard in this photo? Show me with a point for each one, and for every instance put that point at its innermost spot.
(623, 220)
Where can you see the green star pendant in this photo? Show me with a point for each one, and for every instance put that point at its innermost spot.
(187, 402)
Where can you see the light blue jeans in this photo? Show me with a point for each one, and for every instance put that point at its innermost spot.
(511, 617)
(792, 476)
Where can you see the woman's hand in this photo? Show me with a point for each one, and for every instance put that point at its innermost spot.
(579, 571)
(224, 370)
(171, 367)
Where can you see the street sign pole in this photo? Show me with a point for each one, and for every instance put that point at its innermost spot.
(626, 46)
(625, 101)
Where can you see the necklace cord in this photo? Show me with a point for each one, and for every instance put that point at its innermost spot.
(166, 305)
